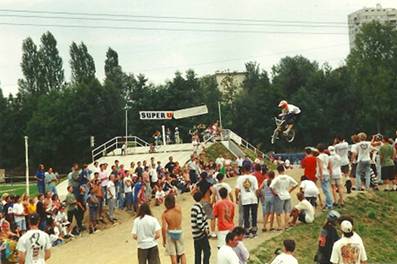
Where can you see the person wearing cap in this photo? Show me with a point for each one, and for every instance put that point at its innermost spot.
(336, 176)
(348, 249)
(246, 192)
(289, 113)
(34, 246)
(328, 236)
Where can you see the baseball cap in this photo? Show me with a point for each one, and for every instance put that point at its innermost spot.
(331, 149)
(346, 226)
(333, 215)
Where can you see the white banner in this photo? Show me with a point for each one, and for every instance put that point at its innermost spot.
(189, 112)
(236, 138)
(156, 115)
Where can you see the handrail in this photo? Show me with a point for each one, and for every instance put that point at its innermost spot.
(226, 134)
(117, 143)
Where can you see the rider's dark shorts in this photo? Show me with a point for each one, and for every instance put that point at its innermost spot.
(291, 118)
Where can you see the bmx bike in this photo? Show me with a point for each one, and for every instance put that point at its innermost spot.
(281, 127)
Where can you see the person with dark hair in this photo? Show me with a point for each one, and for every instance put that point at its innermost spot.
(324, 174)
(281, 187)
(171, 221)
(246, 192)
(303, 211)
(224, 213)
(286, 257)
(241, 251)
(267, 199)
(34, 246)
(328, 236)
(146, 230)
(309, 190)
(221, 184)
(40, 177)
(200, 231)
(350, 248)
(309, 164)
(205, 187)
(226, 254)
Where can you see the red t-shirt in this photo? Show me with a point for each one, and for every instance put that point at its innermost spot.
(259, 177)
(224, 211)
(309, 163)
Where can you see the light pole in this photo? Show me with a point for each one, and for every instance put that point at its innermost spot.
(220, 114)
(126, 108)
(27, 165)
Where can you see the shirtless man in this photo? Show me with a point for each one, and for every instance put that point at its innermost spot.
(171, 222)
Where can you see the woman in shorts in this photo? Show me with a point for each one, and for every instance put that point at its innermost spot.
(267, 199)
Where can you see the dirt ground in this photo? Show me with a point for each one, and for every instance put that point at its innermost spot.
(116, 245)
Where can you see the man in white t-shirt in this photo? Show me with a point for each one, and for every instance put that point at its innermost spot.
(153, 175)
(303, 211)
(221, 184)
(226, 254)
(146, 230)
(246, 192)
(336, 177)
(111, 195)
(350, 248)
(281, 187)
(34, 246)
(363, 158)
(310, 190)
(342, 149)
(286, 257)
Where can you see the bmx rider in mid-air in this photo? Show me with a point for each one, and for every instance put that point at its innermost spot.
(289, 113)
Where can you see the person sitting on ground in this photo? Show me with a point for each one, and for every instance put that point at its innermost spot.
(241, 251)
(303, 211)
(226, 254)
(171, 222)
(328, 236)
(348, 249)
(286, 257)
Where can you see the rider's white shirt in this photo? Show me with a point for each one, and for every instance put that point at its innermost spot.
(292, 109)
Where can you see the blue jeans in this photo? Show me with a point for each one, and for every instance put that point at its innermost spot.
(363, 168)
(41, 188)
(325, 185)
(128, 200)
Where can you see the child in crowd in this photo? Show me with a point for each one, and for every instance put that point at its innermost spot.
(267, 199)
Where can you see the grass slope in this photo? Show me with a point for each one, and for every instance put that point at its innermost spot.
(17, 189)
(375, 216)
(215, 150)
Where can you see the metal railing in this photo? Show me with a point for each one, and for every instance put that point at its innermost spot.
(117, 143)
(227, 134)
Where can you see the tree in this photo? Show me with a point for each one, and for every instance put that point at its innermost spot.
(30, 68)
(113, 71)
(81, 63)
(373, 64)
(51, 72)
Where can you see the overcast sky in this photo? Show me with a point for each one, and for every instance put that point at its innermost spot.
(158, 54)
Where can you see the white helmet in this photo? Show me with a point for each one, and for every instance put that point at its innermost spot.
(283, 103)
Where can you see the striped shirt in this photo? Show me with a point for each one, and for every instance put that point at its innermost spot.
(198, 221)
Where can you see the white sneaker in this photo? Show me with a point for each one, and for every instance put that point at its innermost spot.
(213, 235)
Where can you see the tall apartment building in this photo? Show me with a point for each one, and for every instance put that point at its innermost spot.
(366, 15)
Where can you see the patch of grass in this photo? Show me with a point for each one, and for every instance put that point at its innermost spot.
(215, 150)
(374, 217)
(17, 189)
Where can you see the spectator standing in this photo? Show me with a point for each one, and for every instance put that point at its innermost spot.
(200, 231)
(221, 184)
(260, 177)
(146, 230)
(324, 172)
(286, 257)
(387, 157)
(204, 186)
(267, 199)
(111, 194)
(226, 254)
(363, 158)
(336, 176)
(309, 164)
(224, 213)
(75, 180)
(246, 192)
(35, 245)
(328, 236)
(282, 186)
(348, 244)
(170, 165)
(171, 220)
(40, 177)
(51, 181)
(241, 251)
(71, 208)
(19, 214)
(342, 149)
